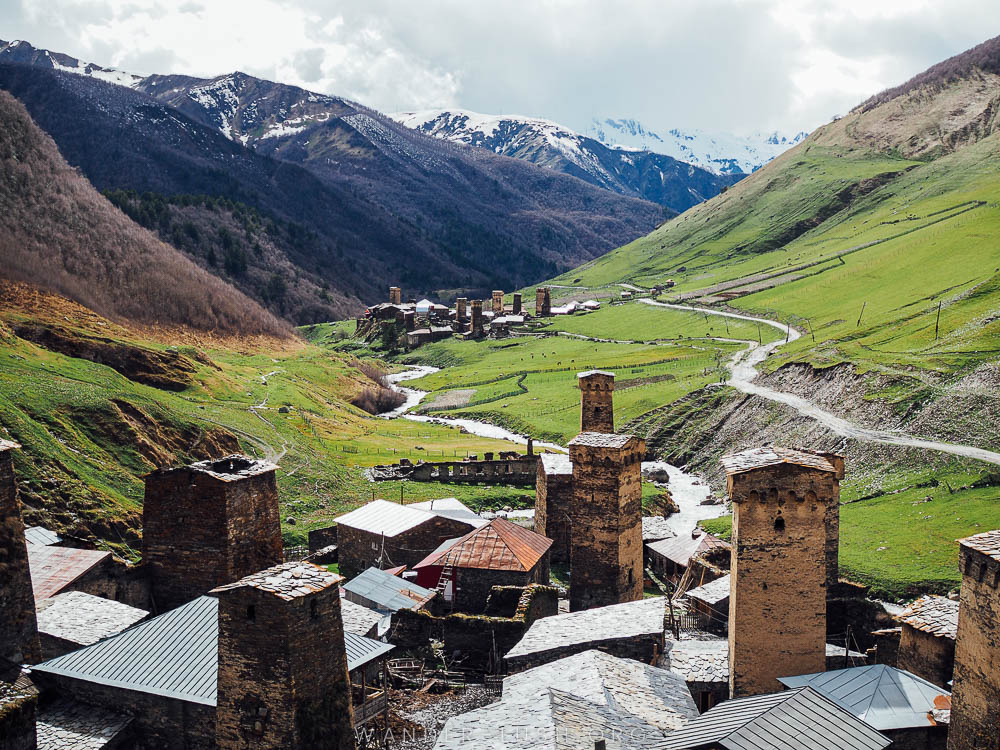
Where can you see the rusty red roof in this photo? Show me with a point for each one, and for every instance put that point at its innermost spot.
(55, 568)
(499, 545)
(758, 458)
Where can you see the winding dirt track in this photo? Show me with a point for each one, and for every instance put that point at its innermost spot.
(743, 372)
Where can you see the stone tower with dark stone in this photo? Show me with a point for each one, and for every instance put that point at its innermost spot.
(460, 308)
(779, 573)
(543, 301)
(477, 318)
(395, 295)
(283, 681)
(209, 524)
(498, 302)
(516, 306)
(606, 520)
(975, 698)
(18, 624)
(597, 412)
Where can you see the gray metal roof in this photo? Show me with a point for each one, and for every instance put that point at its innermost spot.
(41, 535)
(361, 650)
(386, 591)
(883, 696)
(174, 655)
(799, 719)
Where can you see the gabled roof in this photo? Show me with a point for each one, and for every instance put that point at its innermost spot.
(882, 696)
(358, 619)
(450, 507)
(391, 519)
(758, 458)
(550, 720)
(799, 719)
(41, 536)
(591, 626)
(361, 650)
(935, 615)
(712, 592)
(680, 549)
(55, 568)
(655, 695)
(701, 661)
(387, 591)
(499, 545)
(85, 619)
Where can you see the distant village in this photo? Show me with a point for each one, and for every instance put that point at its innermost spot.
(403, 612)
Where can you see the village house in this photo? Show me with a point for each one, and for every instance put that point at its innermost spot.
(74, 619)
(710, 605)
(500, 553)
(703, 664)
(670, 557)
(384, 535)
(927, 639)
(385, 593)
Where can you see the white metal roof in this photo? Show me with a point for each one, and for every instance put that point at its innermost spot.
(383, 517)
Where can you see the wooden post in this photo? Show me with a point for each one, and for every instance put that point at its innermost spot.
(809, 323)
(862, 313)
(937, 322)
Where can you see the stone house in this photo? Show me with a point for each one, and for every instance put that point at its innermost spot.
(633, 630)
(704, 667)
(554, 501)
(500, 553)
(929, 628)
(710, 605)
(18, 625)
(384, 535)
(74, 619)
(669, 558)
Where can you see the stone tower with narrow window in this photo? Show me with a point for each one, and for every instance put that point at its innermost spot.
(18, 624)
(516, 305)
(783, 502)
(477, 318)
(498, 302)
(283, 681)
(395, 295)
(208, 524)
(461, 303)
(543, 301)
(975, 698)
(597, 409)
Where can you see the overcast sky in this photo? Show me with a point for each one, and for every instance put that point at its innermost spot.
(731, 65)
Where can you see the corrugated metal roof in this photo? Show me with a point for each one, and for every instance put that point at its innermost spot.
(681, 549)
(883, 696)
(174, 655)
(799, 719)
(936, 615)
(386, 591)
(55, 568)
(361, 650)
(712, 592)
(383, 517)
(499, 545)
(988, 543)
(758, 458)
(41, 536)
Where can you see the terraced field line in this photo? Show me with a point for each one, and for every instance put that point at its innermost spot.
(743, 372)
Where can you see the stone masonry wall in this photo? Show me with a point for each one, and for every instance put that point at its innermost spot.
(359, 550)
(976, 695)
(18, 625)
(515, 471)
(597, 413)
(926, 655)
(777, 605)
(283, 679)
(200, 532)
(553, 503)
(17, 720)
(475, 585)
(645, 648)
(606, 548)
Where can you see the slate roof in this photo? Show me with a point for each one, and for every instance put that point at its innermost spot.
(499, 545)
(656, 529)
(358, 619)
(556, 463)
(799, 719)
(85, 619)
(287, 581)
(610, 623)
(588, 373)
(701, 661)
(654, 695)
(601, 440)
(988, 543)
(681, 549)
(174, 655)
(68, 725)
(936, 615)
(882, 696)
(55, 568)
(41, 536)
(712, 592)
(758, 458)
(552, 720)
(392, 519)
(387, 591)
(229, 469)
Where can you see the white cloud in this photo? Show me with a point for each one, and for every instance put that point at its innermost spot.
(736, 65)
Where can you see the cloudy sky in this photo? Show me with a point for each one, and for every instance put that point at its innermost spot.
(730, 65)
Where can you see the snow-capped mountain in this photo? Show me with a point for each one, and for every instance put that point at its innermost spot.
(654, 176)
(721, 153)
(21, 52)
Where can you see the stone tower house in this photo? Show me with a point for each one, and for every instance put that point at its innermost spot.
(606, 518)
(779, 570)
(543, 301)
(516, 308)
(975, 699)
(283, 681)
(395, 295)
(554, 503)
(460, 307)
(498, 302)
(18, 625)
(209, 524)
(597, 412)
(477, 318)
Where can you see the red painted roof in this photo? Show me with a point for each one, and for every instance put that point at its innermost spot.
(397, 571)
(499, 545)
(55, 568)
